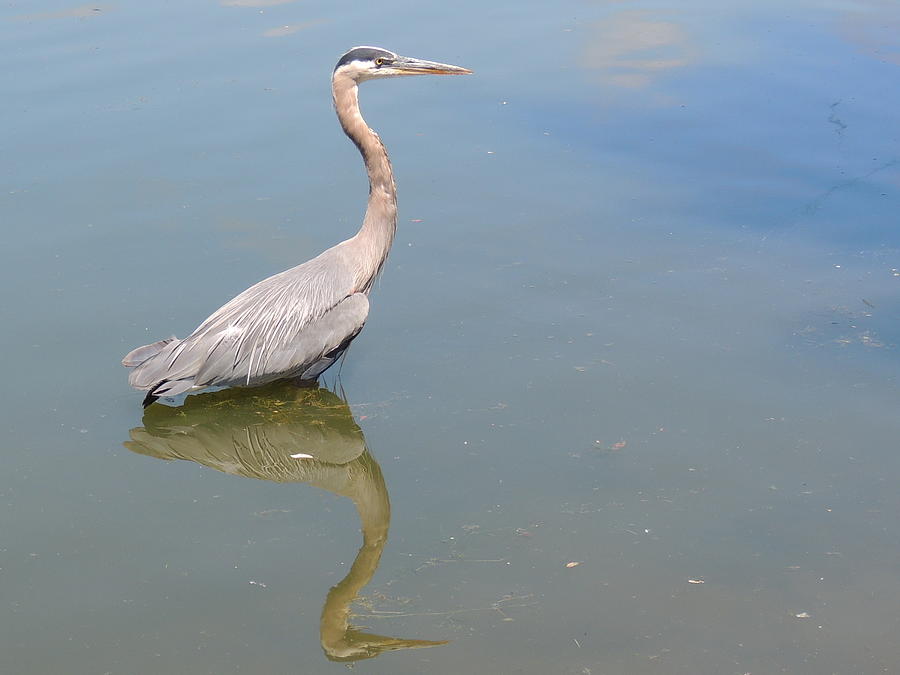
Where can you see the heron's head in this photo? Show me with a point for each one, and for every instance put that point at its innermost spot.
(369, 63)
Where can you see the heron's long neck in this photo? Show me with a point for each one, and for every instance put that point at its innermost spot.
(380, 223)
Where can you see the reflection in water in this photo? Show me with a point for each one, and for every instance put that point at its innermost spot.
(873, 26)
(82, 12)
(253, 433)
(290, 29)
(632, 47)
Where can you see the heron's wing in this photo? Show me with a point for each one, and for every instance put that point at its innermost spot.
(256, 358)
(231, 346)
(150, 372)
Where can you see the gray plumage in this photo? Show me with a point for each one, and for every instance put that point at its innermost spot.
(296, 324)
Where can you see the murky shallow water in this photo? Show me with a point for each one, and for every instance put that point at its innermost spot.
(641, 314)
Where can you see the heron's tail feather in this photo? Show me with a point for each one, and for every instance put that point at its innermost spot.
(167, 388)
(137, 356)
(172, 387)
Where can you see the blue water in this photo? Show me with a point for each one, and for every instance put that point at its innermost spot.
(641, 314)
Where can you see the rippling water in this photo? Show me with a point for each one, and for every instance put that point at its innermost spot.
(626, 401)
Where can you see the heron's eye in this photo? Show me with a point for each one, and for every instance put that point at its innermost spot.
(379, 61)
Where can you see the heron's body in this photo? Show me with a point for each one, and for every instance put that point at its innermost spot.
(297, 323)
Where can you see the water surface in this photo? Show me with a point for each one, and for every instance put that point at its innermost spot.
(641, 315)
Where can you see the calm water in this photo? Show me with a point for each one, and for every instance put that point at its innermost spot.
(642, 315)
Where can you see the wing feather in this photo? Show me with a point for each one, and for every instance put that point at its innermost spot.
(261, 334)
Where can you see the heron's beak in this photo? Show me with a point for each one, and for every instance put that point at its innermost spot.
(405, 65)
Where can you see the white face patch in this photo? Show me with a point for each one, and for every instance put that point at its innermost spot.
(367, 68)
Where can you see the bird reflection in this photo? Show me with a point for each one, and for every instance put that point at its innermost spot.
(254, 433)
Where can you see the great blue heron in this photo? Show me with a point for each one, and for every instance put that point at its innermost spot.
(297, 323)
